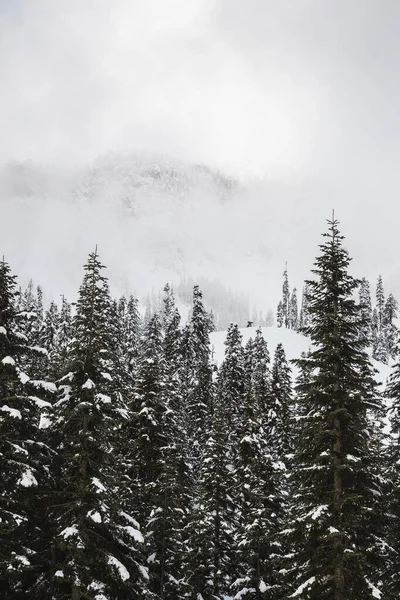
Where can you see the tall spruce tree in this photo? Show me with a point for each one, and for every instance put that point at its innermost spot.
(391, 331)
(366, 309)
(59, 356)
(198, 375)
(379, 349)
(158, 466)
(280, 315)
(335, 480)
(304, 319)
(283, 309)
(380, 301)
(95, 543)
(258, 486)
(286, 298)
(293, 311)
(24, 458)
(208, 563)
(231, 380)
(280, 413)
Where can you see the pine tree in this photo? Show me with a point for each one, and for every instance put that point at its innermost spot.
(212, 529)
(293, 311)
(260, 374)
(280, 416)
(132, 330)
(59, 357)
(168, 306)
(24, 458)
(280, 316)
(391, 332)
(159, 469)
(31, 311)
(366, 309)
(51, 321)
(212, 320)
(248, 361)
(259, 490)
(335, 482)
(286, 298)
(48, 341)
(95, 543)
(230, 388)
(380, 302)
(379, 349)
(304, 319)
(197, 378)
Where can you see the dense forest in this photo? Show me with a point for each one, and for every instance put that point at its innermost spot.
(133, 466)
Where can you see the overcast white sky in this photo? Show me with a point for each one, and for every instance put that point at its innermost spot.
(261, 86)
(290, 90)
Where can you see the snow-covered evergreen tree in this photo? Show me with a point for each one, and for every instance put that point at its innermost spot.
(293, 311)
(58, 358)
(283, 313)
(280, 315)
(280, 413)
(380, 301)
(379, 349)
(391, 332)
(230, 387)
(95, 544)
(197, 375)
(366, 309)
(286, 298)
(258, 488)
(24, 458)
(208, 564)
(335, 479)
(304, 319)
(159, 469)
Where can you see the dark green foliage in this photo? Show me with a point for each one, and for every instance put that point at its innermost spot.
(153, 474)
(365, 310)
(286, 299)
(212, 528)
(335, 477)
(59, 353)
(24, 459)
(197, 377)
(94, 542)
(258, 486)
(230, 387)
(304, 318)
(391, 331)
(280, 409)
(293, 311)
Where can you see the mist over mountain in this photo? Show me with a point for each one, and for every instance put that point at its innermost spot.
(156, 219)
